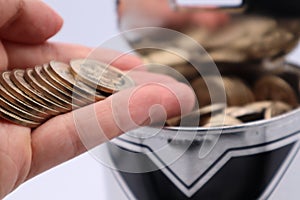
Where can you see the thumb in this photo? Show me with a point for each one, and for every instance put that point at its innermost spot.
(68, 135)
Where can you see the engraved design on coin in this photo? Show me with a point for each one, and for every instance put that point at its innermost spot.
(100, 75)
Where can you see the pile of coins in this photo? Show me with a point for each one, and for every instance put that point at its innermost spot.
(248, 97)
(242, 39)
(255, 42)
(220, 115)
(249, 38)
(268, 96)
(31, 96)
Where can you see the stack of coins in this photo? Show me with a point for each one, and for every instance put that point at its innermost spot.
(31, 96)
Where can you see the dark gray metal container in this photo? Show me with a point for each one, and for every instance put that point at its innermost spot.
(220, 163)
(247, 161)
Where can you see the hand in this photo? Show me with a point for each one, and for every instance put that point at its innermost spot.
(24, 28)
(159, 13)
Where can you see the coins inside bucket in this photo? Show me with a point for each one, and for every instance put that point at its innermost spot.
(29, 97)
(252, 93)
(248, 98)
(242, 43)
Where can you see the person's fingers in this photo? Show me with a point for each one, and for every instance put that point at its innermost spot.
(65, 136)
(27, 21)
(15, 156)
(124, 61)
(22, 55)
(142, 77)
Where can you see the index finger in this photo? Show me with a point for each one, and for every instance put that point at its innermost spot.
(27, 21)
(23, 56)
(68, 135)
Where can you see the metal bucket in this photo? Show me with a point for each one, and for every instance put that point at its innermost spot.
(218, 163)
(247, 162)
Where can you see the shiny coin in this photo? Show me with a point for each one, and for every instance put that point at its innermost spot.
(222, 120)
(193, 118)
(237, 92)
(19, 112)
(53, 96)
(212, 109)
(56, 81)
(259, 106)
(101, 76)
(188, 71)
(21, 105)
(247, 27)
(245, 114)
(42, 79)
(247, 39)
(15, 91)
(204, 95)
(277, 108)
(274, 88)
(17, 120)
(60, 74)
(17, 77)
(227, 55)
(167, 57)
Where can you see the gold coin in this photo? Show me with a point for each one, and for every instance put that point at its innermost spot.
(16, 119)
(259, 106)
(17, 77)
(229, 35)
(193, 118)
(188, 71)
(200, 88)
(274, 88)
(227, 55)
(174, 121)
(59, 83)
(15, 91)
(236, 91)
(19, 112)
(42, 79)
(56, 80)
(244, 114)
(167, 57)
(202, 92)
(212, 109)
(190, 119)
(62, 72)
(248, 39)
(101, 76)
(208, 112)
(238, 94)
(222, 120)
(22, 105)
(28, 76)
(277, 108)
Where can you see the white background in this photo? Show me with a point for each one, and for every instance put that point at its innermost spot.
(90, 22)
(221, 3)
